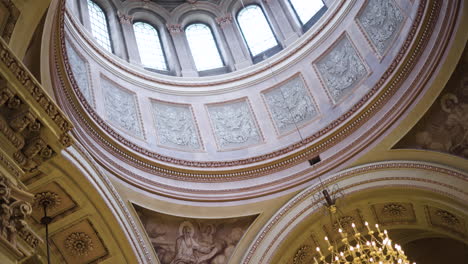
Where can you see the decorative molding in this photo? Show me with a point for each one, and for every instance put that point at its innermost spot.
(24, 77)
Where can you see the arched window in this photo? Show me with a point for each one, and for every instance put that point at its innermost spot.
(306, 10)
(204, 50)
(256, 29)
(149, 46)
(99, 26)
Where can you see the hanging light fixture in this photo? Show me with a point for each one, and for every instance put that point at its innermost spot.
(373, 246)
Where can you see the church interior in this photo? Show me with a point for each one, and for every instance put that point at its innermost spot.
(233, 131)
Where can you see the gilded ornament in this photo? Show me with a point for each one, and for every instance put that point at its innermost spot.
(447, 218)
(394, 210)
(49, 199)
(79, 244)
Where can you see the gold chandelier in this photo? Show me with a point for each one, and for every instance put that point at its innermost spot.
(356, 248)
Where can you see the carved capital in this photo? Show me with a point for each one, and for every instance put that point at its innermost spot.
(225, 20)
(174, 29)
(13, 215)
(125, 19)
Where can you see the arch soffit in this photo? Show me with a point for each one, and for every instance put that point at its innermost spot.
(147, 16)
(180, 14)
(132, 8)
(109, 7)
(446, 183)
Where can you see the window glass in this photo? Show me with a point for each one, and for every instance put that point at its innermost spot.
(99, 25)
(256, 30)
(306, 9)
(203, 47)
(149, 46)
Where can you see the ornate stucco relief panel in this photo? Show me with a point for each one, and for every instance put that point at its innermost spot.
(381, 21)
(175, 126)
(120, 107)
(290, 105)
(341, 69)
(80, 70)
(234, 125)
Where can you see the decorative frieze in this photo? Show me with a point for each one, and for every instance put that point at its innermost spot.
(341, 69)
(121, 107)
(175, 126)
(290, 105)
(381, 20)
(234, 125)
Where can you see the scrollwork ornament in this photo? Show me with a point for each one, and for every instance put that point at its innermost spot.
(79, 244)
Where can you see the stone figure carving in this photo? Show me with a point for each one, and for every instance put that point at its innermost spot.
(234, 125)
(290, 105)
(121, 107)
(80, 72)
(381, 20)
(175, 126)
(341, 69)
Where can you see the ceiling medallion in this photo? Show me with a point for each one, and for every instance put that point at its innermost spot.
(49, 199)
(79, 244)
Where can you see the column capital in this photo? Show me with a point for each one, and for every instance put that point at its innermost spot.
(174, 28)
(125, 19)
(225, 20)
